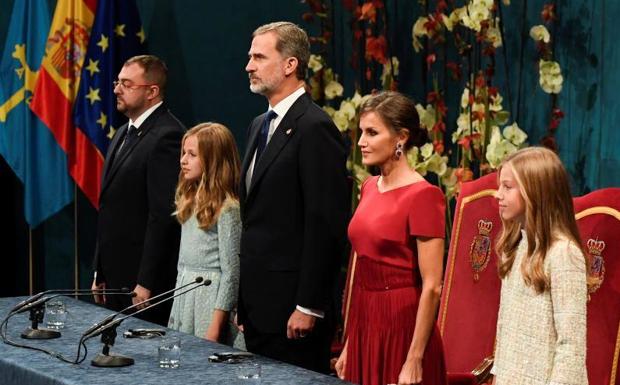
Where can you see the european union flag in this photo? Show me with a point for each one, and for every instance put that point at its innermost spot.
(26, 143)
(116, 36)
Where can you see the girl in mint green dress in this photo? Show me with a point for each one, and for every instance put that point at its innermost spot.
(208, 209)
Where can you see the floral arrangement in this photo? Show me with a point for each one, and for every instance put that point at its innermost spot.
(483, 133)
(550, 73)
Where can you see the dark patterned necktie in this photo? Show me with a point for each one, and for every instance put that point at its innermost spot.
(264, 133)
(130, 138)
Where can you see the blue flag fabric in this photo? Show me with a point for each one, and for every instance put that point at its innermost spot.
(116, 36)
(26, 144)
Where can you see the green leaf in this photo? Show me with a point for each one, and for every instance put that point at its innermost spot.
(501, 117)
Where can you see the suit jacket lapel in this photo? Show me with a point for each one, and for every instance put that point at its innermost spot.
(250, 149)
(279, 139)
(112, 149)
(118, 161)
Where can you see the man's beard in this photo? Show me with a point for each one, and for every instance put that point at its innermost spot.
(266, 86)
(121, 107)
(258, 88)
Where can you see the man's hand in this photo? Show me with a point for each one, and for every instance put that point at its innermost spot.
(142, 294)
(99, 298)
(299, 325)
(239, 327)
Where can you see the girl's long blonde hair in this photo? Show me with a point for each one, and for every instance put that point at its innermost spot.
(217, 186)
(549, 213)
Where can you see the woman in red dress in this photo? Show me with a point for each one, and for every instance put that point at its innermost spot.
(398, 234)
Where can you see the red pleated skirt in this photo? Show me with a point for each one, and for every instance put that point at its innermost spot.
(382, 317)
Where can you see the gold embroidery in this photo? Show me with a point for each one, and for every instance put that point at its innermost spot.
(597, 264)
(480, 249)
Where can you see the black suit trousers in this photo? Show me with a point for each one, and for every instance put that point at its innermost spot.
(311, 352)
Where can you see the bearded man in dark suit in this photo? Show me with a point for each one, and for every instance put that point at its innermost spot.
(137, 237)
(294, 205)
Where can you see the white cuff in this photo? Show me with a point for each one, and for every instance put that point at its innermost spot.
(312, 312)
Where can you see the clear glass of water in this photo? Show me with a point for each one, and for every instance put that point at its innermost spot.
(55, 314)
(249, 371)
(169, 352)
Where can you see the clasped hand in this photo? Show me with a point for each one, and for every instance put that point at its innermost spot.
(299, 325)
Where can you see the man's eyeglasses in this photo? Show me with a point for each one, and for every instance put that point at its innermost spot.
(128, 85)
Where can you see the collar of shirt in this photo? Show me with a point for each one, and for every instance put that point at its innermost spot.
(282, 108)
(138, 122)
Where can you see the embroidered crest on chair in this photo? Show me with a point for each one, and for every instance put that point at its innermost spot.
(597, 264)
(480, 249)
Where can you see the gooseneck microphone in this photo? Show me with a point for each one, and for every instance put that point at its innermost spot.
(107, 327)
(37, 296)
(112, 316)
(36, 303)
(98, 328)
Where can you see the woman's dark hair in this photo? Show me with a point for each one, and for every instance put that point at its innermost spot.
(398, 112)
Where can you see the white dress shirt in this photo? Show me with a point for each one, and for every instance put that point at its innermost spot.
(140, 119)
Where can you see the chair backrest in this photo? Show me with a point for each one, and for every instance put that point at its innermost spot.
(598, 218)
(470, 297)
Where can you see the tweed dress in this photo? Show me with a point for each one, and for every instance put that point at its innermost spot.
(541, 338)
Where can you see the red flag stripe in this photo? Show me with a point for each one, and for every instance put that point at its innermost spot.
(84, 160)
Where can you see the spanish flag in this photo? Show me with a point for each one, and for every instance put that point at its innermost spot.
(57, 87)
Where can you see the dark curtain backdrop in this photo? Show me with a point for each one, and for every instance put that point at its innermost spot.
(205, 44)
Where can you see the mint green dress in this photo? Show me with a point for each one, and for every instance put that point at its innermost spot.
(212, 254)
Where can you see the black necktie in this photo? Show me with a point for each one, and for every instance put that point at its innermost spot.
(130, 138)
(264, 133)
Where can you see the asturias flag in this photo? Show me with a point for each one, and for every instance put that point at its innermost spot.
(25, 142)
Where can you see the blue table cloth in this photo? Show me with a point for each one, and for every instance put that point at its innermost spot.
(28, 367)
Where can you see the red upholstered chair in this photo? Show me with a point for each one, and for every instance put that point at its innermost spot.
(598, 218)
(470, 298)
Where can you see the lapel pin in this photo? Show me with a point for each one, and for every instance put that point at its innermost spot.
(288, 132)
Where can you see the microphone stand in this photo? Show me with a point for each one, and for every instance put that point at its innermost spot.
(33, 332)
(37, 312)
(105, 359)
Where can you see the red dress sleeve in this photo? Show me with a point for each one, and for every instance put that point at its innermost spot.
(370, 179)
(427, 214)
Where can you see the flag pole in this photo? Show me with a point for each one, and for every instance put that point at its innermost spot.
(76, 277)
(30, 278)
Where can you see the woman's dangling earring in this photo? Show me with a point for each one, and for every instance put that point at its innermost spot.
(399, 150)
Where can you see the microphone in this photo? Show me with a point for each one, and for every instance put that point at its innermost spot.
(64, 291)
(112, 316)
(37, 312)
(119, 320)
(108, 331)
(41, 301)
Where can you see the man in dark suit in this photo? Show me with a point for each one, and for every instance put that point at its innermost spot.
(294, 205)
(138, 238)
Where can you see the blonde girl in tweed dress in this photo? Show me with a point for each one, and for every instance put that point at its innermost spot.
(541, 327)
(208, 209)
